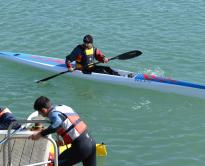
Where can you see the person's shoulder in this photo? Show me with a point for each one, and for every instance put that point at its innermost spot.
(98, 51)
(78, 48)
(96, 48)
(55, 112)
(65, 107)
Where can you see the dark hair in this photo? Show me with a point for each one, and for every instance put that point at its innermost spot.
(88, 39)
(42, 102)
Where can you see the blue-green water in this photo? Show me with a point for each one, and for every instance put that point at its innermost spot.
(140, 127)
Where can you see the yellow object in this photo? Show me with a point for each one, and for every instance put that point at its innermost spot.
(100, 149)
(89, 51)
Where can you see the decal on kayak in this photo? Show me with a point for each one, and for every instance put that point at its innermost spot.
(47, 59)
(154, 78)
(17, 54)
(36, 62)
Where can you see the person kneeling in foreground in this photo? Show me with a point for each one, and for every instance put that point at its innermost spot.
(6, 118)
(66, 123)
(85, 55)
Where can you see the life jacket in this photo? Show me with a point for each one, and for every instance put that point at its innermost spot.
(85, 58)
(3, 111)
(72, 127)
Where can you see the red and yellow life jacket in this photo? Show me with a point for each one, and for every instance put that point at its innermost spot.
(72, 127)
(87, 57)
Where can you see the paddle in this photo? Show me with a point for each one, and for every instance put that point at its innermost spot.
(124, 56)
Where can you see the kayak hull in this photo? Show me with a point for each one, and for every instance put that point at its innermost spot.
(144, 81)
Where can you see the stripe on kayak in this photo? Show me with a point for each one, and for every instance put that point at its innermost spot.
(166, 80)
(43, 60)
(45, 64)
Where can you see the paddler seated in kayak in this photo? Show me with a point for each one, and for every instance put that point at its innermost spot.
(67, 124)
(6, 118)
(85, 55)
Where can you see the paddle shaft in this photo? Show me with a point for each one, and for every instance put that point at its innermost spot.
(53, 76)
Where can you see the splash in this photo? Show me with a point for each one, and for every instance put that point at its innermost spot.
(156, 71)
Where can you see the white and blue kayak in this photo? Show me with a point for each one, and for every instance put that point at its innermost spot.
(145, 81)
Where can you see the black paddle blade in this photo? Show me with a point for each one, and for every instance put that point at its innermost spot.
(129, 55)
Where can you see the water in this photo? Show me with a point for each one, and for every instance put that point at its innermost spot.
(140, 127)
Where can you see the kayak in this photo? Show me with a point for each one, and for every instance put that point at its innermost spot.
(138, 80)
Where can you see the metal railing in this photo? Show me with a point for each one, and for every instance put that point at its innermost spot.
(16, 134)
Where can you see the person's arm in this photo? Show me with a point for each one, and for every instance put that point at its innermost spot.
(100, 56)
(71, 57)
(48, 131)
(56, 119)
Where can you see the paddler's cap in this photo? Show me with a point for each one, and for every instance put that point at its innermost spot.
(88, 39)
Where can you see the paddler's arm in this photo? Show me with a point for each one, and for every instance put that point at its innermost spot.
(100, 56)
(71, 57)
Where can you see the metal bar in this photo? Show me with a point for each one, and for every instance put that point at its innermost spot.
(4, 154)
(55, 151)
(40, 163)
(8, 140)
